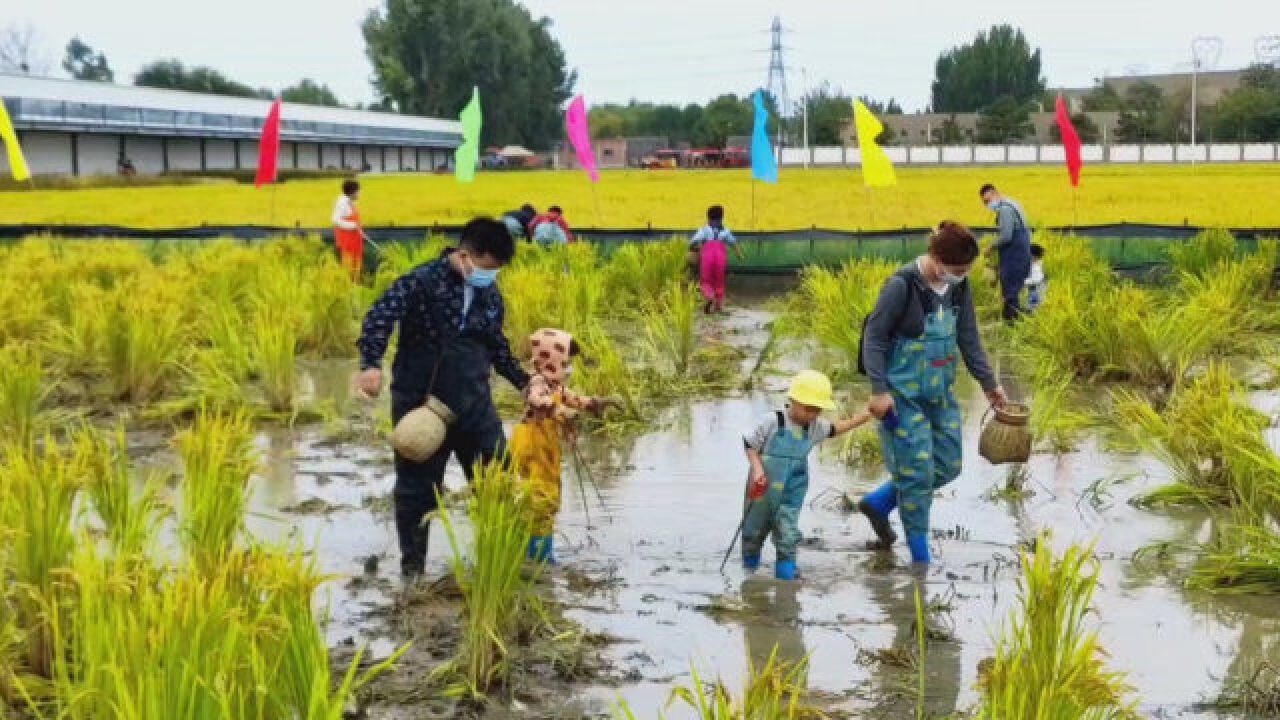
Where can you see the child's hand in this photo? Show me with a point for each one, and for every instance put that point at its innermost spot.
(758, 486)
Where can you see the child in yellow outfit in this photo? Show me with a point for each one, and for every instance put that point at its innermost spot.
(550, 410)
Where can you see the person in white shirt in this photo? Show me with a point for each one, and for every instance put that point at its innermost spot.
(1036, 280)
(348, 235)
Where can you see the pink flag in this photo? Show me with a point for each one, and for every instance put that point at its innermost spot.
(575, 121)
(269, 147)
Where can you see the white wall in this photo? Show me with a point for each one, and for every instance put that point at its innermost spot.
(47, 153)
(146, 153)
(330, 156)
(353, 158)
(184, 154)
(308, 156)
(219, 155)
(98, 154)
(248, 154)
(1043, 154)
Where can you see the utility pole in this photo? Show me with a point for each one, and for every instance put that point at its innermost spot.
(804, 78)
(1205, 50)
(776, 85)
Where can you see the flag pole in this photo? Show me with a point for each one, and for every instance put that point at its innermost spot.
(273, 202)
(753, 204)
(595, 198)
(1075, 207)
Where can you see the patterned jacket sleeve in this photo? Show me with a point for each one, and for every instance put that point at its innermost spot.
(580, 402)
(381, 320)
(503, 361)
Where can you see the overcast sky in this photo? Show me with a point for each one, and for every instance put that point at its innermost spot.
(669, 50)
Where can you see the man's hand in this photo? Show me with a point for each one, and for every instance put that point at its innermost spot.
(996, 397)
(759, 485)
(880, 405)
(369, 382)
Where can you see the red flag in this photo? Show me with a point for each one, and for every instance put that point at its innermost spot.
(1070, 142)
(269, 147)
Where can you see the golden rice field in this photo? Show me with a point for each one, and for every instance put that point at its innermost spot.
(1207, 195)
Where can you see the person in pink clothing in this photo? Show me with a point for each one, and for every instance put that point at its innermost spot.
(712, 241)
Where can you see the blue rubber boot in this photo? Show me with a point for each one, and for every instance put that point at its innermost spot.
(541, 549)
(919, 545)
(751, 562)
(876, 506)
(786, 570)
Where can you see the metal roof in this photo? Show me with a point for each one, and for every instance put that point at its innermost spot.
(38, 103)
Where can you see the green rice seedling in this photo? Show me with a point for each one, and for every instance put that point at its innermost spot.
(1057, 417)
(147, 345)
(131, 520)
(606, 373)
(275, 349)
(1212, 441)
(670, 331)
(217, 460)
(775, 691)
(1241, 558)
(1048, 665)
(830, 307)
(236, 639)
(497, 593)
(330, 327)
(636, 272)
(39, 483)
(1203, 253)
(22, 392)
(862, 448)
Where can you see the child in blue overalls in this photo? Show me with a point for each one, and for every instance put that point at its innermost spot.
(778, 451)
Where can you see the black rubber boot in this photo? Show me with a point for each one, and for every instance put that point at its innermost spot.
(880, 525)
(413, 532)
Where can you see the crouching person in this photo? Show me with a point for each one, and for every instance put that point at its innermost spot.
(778, 451)
(550, 412)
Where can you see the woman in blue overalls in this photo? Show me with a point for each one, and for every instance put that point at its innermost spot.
(923, 322)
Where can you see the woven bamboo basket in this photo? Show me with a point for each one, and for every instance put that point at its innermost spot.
(1006, 436)
(420, 433)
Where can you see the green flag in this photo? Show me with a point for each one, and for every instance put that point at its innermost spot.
(468, 153)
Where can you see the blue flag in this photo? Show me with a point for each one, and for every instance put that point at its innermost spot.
(764, 166)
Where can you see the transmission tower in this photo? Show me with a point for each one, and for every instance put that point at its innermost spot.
(776, 85)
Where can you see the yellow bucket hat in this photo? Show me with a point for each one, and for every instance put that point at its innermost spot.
(812, 388)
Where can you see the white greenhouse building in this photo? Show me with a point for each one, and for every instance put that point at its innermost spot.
(72, 127)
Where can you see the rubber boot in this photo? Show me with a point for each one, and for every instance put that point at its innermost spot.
(541, 549)
(876, 506)
(751, 562)
(918, 543)
(786, 570)
(412, 531)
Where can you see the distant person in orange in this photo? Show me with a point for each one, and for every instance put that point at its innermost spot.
(348, 234)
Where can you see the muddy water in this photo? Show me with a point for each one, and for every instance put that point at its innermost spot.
(672, 501)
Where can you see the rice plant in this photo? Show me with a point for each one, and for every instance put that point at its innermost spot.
(217, 460)
(1048, 665)
(1241, 558)
(490, 571)
(775, 691)
(275, 350)
(236, 639)
(1203, 253)
(830, 306)
(147, 346)
(131, 519)
(1212, 441)
(22, 391)
(39, 484)
(670, 330)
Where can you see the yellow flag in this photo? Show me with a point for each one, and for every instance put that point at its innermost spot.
(877, 171)
(17, 163)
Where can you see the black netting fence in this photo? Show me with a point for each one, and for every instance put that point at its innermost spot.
(1124, 245)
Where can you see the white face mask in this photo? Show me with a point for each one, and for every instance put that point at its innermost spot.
(949, 278)
(568, 372)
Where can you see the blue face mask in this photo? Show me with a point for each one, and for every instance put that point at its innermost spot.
(994, 205)
(481, 278)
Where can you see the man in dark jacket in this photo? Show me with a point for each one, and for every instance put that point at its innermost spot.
(518, 222)
(450, 316)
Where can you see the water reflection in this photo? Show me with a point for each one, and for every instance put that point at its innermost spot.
(774, 625)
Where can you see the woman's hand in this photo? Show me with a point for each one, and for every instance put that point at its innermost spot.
(996, 397)
(880, 405)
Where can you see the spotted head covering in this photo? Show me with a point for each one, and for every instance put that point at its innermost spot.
(551, 353)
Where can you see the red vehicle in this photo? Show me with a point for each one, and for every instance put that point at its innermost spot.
(735, 157)
(661, 159)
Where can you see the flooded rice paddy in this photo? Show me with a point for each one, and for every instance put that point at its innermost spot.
(644, 570)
